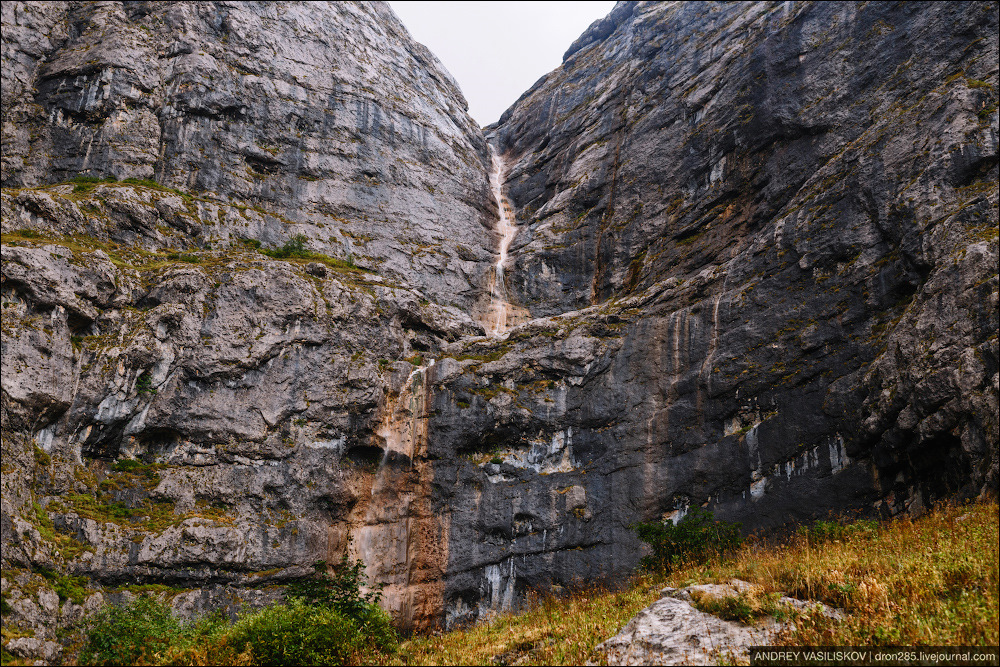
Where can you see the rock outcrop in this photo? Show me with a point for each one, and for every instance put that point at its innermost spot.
(326, 115)
(674, 631)
(757, 251)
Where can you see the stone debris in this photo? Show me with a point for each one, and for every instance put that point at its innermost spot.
(672, 631)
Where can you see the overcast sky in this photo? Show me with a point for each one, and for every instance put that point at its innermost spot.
(496, 50)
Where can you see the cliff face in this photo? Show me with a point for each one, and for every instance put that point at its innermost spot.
(328, 116)
(799, 199)
(758, 243)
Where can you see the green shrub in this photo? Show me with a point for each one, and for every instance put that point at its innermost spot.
(87, 183)
(327, 620)
(696, 538)
(296, 634)
(66, 586)
(340, 590)
(294, 247)
(145, 385)
(130, 635)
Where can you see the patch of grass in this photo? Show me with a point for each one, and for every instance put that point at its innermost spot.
(65, 545)
(551, 631)
(135, 474)
(7, 658)
(931, 581)
(153, 185)
(41, 456)
(147, 516)
(295, 248)
(184, 257)
(746, 607)
(67, 587)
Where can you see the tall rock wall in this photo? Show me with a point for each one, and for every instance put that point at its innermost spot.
(758, 242)
(326, 115)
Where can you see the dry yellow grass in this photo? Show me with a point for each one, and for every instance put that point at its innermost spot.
(929, 581)
(553, 631)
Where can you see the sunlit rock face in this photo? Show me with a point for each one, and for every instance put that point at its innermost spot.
(758, 241)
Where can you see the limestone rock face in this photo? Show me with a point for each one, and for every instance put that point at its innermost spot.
(758, 242)
(800, 200)
(327, 115)
(673, 631)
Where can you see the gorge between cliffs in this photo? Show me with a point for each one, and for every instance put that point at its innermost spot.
(271, 296)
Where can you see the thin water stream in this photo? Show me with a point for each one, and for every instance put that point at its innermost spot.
(500, 308)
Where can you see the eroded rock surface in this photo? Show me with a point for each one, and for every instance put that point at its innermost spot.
(326, 115)
(758, 241)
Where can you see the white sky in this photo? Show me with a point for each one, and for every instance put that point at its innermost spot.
(496, 50)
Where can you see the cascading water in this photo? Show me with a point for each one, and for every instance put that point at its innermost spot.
(499, 312)
(404, 422)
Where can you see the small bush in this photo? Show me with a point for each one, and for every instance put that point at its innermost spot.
(87, 183)
(294, 247)
(130, 635)
(327, 620)
(66, 586)
(696, 538)
(145, 386)
(296, 634)
(340, 590)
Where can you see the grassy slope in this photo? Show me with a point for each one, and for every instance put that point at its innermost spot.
(929, 581)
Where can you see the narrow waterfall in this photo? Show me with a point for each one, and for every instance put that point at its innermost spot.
(404, 421)
(496, 319)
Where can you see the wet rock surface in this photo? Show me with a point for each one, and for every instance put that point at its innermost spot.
(758, 242)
